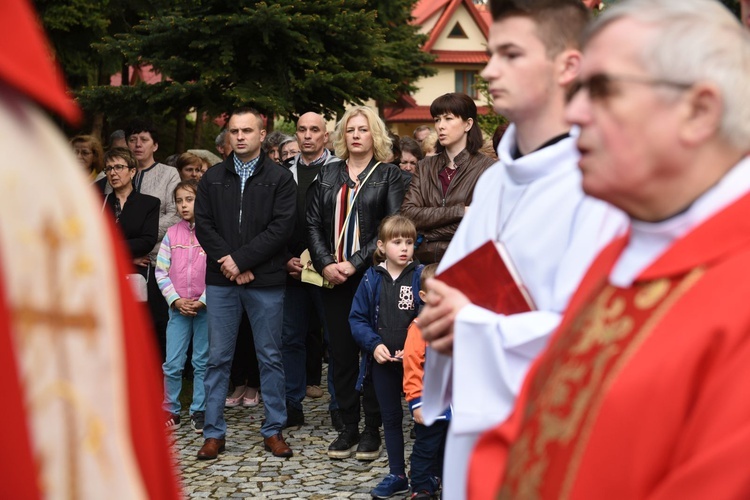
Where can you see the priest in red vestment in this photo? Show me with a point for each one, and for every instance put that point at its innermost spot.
(81, 385)
(644, 390)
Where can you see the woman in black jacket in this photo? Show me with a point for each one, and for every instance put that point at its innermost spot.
(349, 199)
(136, 214)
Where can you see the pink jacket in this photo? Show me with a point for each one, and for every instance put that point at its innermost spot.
(181, 264)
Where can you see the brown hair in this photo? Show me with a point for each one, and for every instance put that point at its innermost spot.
(409, 145)
(186, 159)
(188, 185)
(428, 272)
(123, 154)
(391, 227)
(560, 23)
(464, 107)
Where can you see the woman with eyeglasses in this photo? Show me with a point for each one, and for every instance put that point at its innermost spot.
(136, 214)
(88, 150)
(441, 189)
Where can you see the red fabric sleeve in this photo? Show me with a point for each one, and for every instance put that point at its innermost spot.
(144, 379)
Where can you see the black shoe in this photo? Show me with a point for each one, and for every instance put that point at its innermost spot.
(369, 444)
(294, 417)
(337, 421)
(344, 444)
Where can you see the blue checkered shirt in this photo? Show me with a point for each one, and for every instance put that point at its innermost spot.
(245, 171)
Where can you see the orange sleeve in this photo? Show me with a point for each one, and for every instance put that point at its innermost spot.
(414, 349)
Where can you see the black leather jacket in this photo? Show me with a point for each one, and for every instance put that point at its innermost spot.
(381, 196)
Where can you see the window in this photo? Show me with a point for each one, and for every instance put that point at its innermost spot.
(466, 83)
(457, 32)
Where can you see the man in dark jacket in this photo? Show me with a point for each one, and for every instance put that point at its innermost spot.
(245, 212)
(303, 301)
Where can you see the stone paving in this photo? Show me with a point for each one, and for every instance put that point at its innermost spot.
(246, 470)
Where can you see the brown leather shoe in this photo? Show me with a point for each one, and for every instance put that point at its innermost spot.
(277, 446)
(211, 449)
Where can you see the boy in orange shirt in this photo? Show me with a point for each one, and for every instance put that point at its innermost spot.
(429, 445)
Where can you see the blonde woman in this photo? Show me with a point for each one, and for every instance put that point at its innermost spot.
(350, 198)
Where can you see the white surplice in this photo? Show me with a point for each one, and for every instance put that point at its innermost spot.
(535, 206)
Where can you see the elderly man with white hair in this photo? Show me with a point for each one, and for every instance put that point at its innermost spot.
(643, 390)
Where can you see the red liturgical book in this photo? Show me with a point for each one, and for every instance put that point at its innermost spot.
(489, 279)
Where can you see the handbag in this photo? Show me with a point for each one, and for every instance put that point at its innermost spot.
(138, 285)
(138, 282)
(309, 273)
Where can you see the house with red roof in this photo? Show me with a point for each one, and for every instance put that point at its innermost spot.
(457, 31)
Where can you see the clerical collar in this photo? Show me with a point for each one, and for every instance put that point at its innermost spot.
(649, 240)
(516, 153)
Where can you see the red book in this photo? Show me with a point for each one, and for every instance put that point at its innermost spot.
(489, 279)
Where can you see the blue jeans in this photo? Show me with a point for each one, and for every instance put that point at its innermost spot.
(180, 330)
(299, 303)
(264, 307)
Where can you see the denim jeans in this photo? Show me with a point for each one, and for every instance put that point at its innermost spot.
(299, 303)
(180, 330)
(427, 454)
(264, 307)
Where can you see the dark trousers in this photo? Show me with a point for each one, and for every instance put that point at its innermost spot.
(314, 351)
(157, 306)
(245, 369)
(337, 302)
(388, 382)
(427, 455)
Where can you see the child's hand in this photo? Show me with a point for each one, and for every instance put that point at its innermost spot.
(185, 307)
(381, 354)
(418, 416)
(399, 354)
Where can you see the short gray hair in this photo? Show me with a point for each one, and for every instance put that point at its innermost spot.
(219, 142)
(693, 41)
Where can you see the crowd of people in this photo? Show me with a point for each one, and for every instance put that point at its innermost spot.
(616, 204)
(218, 256)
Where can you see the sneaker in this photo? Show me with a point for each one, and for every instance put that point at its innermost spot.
(369, 444)
(422, 495)
(344, 444)
(235, 399)
(173, 422)
(314, 392)
(197, 419)
(391, 485)
(337, 421)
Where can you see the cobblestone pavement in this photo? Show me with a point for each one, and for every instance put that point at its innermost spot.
(246, 470)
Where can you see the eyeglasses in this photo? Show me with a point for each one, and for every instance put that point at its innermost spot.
(117, 168)
(602, 86)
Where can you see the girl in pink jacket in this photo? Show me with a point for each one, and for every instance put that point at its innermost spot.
(181, 275)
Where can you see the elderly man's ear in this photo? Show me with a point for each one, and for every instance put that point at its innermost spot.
(703, 111)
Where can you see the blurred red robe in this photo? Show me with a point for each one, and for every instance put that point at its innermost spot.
(81, 384)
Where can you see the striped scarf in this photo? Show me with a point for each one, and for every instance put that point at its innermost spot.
(350, 243)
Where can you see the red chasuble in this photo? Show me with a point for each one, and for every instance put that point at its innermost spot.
(643, 392)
